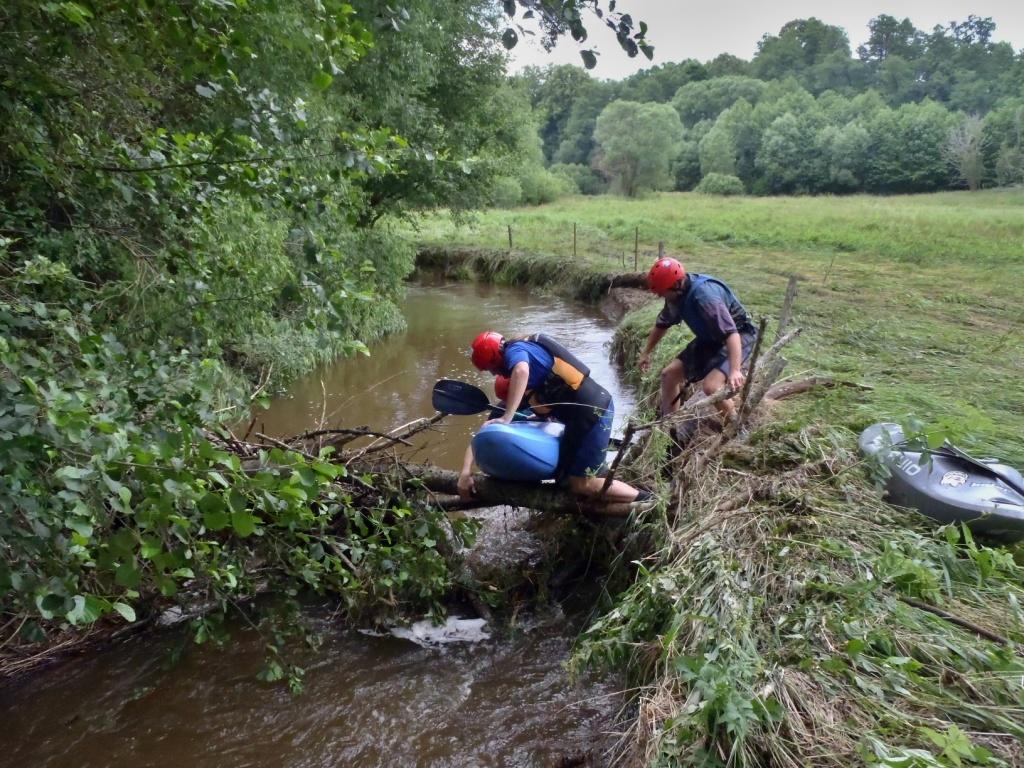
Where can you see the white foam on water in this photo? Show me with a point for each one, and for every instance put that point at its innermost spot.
(454, 630)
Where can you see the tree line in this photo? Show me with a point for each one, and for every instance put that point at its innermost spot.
(909, 111)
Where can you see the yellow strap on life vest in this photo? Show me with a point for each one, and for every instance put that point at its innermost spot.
(568, 373)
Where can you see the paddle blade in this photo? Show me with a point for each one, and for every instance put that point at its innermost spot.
(458, 397)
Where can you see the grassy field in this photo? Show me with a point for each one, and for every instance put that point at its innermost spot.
(917, 296)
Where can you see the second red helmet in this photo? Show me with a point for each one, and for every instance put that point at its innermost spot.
(486, 351)
(665, 274)
(501, 387)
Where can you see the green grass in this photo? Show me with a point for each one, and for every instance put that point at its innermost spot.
(918, 296)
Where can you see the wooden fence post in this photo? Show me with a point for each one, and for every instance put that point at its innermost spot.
(636, 249)
(574, 239)
(510, 237)
(661, 249)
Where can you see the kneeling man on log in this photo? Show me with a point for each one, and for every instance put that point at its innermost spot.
(723, 334)
(554, 383)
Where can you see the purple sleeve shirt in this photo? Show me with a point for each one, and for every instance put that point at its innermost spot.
(712, 304)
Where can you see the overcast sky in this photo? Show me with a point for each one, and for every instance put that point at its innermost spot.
(702, 29)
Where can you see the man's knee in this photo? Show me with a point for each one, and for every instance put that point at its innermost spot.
(673, 372)
(713, 382)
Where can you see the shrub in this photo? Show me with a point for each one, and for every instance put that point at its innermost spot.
(506, 192)
(585, 179)
(541, 186)
(720, 184)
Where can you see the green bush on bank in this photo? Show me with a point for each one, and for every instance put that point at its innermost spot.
(116, 496)
(720, 184)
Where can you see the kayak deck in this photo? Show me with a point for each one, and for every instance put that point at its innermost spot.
(947, 487)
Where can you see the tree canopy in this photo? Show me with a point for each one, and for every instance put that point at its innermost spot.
(817, 117)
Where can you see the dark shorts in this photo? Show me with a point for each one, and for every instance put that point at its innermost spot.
(589, 448)
(700, 358)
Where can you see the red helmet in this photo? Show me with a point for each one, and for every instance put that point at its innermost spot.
(501, 387)
(486, 354)
(665, 274)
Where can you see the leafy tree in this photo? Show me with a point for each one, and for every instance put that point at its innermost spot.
(745, 132)
(577, 144)
(1003, 143)
(889, 37)
(686, 168)
(583, 178)
(720, 184)
(553, 93)
(906, 149)
(785, 161)
(637, 144)
(436, 78)
(717, 152)
(965, 150)
(506, 192)
(802, 47)
(844, 150)
(707, 99)
(725, 64)
(660, 83)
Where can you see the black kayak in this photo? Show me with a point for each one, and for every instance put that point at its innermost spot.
(947, 484)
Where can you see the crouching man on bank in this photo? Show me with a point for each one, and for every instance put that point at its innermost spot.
(723, 334)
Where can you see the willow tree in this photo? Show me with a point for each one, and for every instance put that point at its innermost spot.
(637, 144)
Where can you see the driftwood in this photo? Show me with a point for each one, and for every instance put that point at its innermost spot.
(490, 492)
(786, 389)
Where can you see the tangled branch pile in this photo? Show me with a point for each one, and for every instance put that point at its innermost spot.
(787, 616)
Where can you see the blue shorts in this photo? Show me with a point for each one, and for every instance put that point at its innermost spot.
(700, 358)
(589, 457)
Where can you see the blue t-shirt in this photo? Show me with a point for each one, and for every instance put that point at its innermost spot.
(719, 312)
(534, 355)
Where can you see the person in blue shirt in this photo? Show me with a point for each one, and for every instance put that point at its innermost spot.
(723, 334)
(555, 384)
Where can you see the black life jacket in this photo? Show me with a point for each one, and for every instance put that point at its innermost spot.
(567, 387)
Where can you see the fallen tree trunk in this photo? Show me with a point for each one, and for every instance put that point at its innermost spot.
(490, 492)
(789, 388)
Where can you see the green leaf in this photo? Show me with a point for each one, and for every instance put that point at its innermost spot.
(244, 523)
(127, 575)
(86, 609)
(72, 473)
(327, 470)
(322, 80)
(589, 59)
(150, 548)
(126, 611)
(80, 526)
(215, 516)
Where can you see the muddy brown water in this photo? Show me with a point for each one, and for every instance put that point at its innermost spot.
(393, 386)
(368, 701)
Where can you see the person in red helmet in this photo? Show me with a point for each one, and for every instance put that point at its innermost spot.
(723, 334)
(501, 387)
(554, 383)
